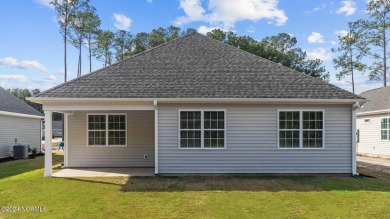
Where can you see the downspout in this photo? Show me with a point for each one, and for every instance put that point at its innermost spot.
(355, 106)
(155, 138)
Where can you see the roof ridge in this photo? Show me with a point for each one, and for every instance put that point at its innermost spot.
(378, 88)
(126, 59)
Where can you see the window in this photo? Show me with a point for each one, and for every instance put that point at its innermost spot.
(301, 129)
(312, 129)
(385, 128)
(190, 129)
(96, 130)
(214, 129)
(107, 130)
(202, 129)
(289, 129)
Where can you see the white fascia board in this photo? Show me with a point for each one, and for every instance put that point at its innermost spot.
(373, 112)
(45, 100)
(91, 106)
(20, 115)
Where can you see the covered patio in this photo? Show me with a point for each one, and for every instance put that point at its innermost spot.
(104, 172)
(133, 155)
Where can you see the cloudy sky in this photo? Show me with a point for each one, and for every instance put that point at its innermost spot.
(31, 49)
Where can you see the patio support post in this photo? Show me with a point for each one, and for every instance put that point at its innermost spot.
(48, 143)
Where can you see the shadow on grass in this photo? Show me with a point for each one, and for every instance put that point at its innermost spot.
(16, 167)
(371, 181)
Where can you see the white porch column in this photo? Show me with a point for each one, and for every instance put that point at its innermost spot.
(48, 143)
(155, 137)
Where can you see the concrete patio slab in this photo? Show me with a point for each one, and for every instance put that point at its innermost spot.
(376, 164)
(104, 172)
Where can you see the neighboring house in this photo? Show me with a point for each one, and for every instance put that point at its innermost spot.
(56, 128)
(373, 123)
(18, 121)
(196, 105)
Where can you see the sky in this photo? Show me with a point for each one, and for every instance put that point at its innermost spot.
(31, 47)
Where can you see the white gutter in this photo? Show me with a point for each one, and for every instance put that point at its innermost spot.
(20, 115)
(192, 100)
(155, 137)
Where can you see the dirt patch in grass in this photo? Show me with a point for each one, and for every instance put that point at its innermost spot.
(217, 183)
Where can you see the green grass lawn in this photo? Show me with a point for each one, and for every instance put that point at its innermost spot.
(22, 184)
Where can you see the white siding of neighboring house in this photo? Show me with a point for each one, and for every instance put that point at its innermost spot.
(252, 142)
(26, 130)
(140, 142)
(370, 142)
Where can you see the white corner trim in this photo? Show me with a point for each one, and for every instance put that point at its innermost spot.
(155, 137)
(66, 143)
(20, 115)
(354, 171)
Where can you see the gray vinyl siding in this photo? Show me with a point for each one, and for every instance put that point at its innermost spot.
(370, 142)
(26, 130)
(251, 145)
(140, 141)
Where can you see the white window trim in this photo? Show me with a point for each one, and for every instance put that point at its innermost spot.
(106, 145)
(202, 129)
(388, 129)
(301, 128)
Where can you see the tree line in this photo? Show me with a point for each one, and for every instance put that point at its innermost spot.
(365, 46)
(80, 26)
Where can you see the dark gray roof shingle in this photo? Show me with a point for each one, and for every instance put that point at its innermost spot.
(196, 66)
(10, 103)
(379, 99)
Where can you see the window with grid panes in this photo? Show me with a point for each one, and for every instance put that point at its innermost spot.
(107, 130)
(195, 135)
(214, 129)
(301, 129)
(289, 126)
(312, 129)
(385, 128)
(190, 129)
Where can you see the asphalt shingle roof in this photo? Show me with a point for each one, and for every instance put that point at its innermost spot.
(196, 66)
(10, 103)
(378, 99)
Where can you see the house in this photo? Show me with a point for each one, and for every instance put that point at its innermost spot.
(56, 129)
(373, 123)
(196, 105)
(19, 123)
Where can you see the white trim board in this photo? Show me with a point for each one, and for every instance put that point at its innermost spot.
(5, 113)
(44, 100)
(373, 112)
